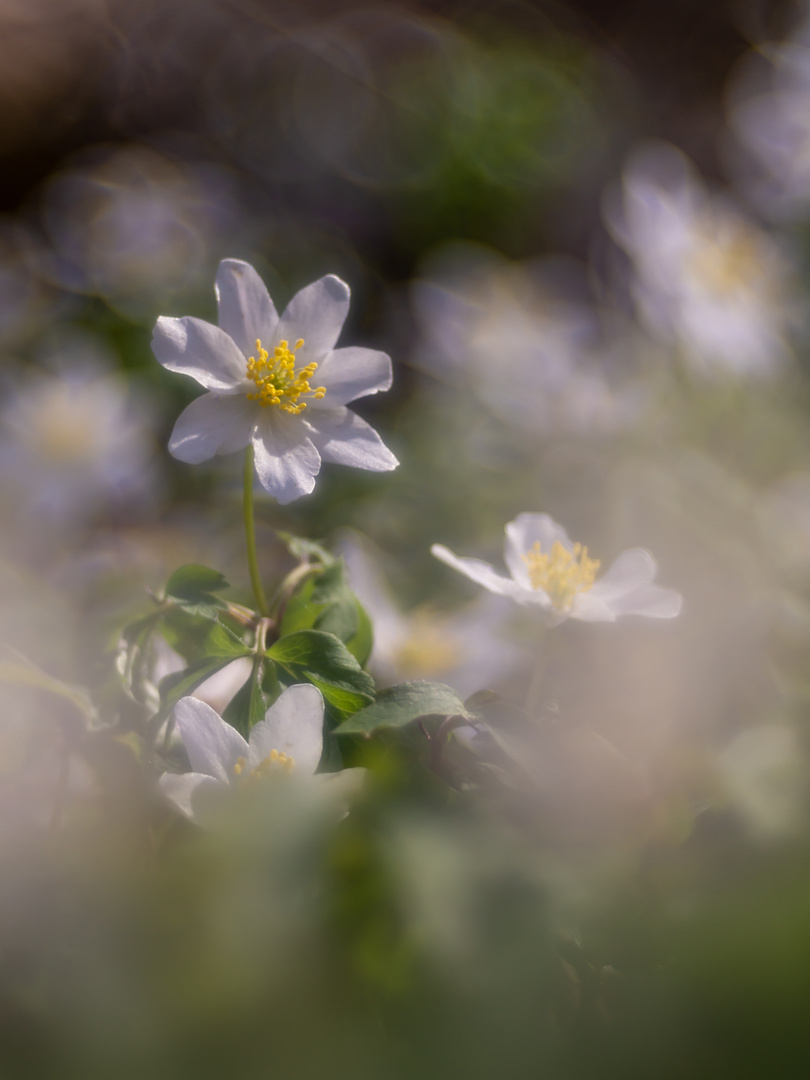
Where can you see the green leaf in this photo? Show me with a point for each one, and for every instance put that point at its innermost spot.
(248, 705)
(402, 704)
(220, 641)
(322, 659)
(362, 642)
(300, 613)
(325, 602)
(205, 609)
(329, 584)
(192, 581)
(305, 550)
(340, 619)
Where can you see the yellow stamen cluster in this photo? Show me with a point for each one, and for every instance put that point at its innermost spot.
(562, 573)
(726, 263)
(275, 760)
(428, 648)
(277, 382)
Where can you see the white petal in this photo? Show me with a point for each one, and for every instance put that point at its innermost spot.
(316, 314)
(654, 601)
(246, 311)
(627, 589)
(286, 459)
(590, 608)
(632, 568)
(211, 425)
(206, 353)
(343, 438)
(180, 788)
(213, 747)
(521, 536)
(293, 725)
(483, 574)
(352, 373)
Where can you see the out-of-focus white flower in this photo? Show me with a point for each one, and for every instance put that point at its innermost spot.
(257, 369)
(288, 741)
(706, 278)
(549, 571)
(72, 444)
(132, 224)
(462, 649)
(516, 335)
(769, 112)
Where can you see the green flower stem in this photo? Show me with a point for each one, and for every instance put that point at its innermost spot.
(250, 534)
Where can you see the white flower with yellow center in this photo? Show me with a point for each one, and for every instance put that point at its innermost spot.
(72, 444)
(706, 278)
(288, 742)
(558, 576)
(276, 383)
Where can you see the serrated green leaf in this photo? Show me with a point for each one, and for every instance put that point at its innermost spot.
(220, 641)
(322, 659)
(401, 705)
(191, 581)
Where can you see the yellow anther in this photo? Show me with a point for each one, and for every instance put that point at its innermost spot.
(428, 649)
(274, 761)
(724, 262)
(276, 380)
(562, 573)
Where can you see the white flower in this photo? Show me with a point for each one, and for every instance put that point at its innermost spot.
(706, 278)
(73, 443)
(549, 571)
(514, 335)
(131, 224)
(278, 383)
(288, 740)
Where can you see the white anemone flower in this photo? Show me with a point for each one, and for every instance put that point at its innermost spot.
(260, 374)
(521, 338)
(550, 572)
(706, 278)
(288, 741)
(72, 444)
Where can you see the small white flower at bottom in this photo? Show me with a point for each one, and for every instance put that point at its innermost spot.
(549, 571)
(289, 741)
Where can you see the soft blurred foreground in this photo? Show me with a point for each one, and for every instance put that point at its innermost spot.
(582, 237)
